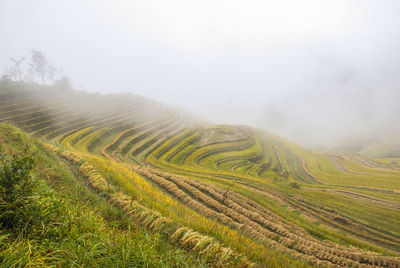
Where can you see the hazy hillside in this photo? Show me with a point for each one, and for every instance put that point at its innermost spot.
(201, 194)
(383, 149)
(385, 146)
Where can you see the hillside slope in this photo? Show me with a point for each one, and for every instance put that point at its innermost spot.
(231, 195)
(70, 224)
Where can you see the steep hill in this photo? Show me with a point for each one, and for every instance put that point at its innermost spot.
(229, 195)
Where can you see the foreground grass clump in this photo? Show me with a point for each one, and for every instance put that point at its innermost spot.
(62, 223)
(17, 203)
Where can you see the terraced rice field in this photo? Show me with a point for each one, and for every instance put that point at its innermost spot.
(237, 195)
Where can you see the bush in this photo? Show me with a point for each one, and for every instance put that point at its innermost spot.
(16, 188)
(294, 184)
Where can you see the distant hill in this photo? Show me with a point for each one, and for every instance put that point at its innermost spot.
(385, 149)
(386, 146)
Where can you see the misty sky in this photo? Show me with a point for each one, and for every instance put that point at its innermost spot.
(311, 71)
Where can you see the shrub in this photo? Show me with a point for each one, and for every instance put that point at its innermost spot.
(16, 188)
(294, 184)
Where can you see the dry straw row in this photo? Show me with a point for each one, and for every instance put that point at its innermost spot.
(74, 157)
(207, 247)
(51, 147)
(251, 222)
(95, 179)
(224, 198)
(238, 222)
(248, 204)
(332, 248)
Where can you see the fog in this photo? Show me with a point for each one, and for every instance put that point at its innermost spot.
(315, 72)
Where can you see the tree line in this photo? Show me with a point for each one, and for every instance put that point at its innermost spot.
(38, 69)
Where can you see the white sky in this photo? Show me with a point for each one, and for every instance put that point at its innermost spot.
(312, 71)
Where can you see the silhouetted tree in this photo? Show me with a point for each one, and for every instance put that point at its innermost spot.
(41, 67)
(17, 69)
